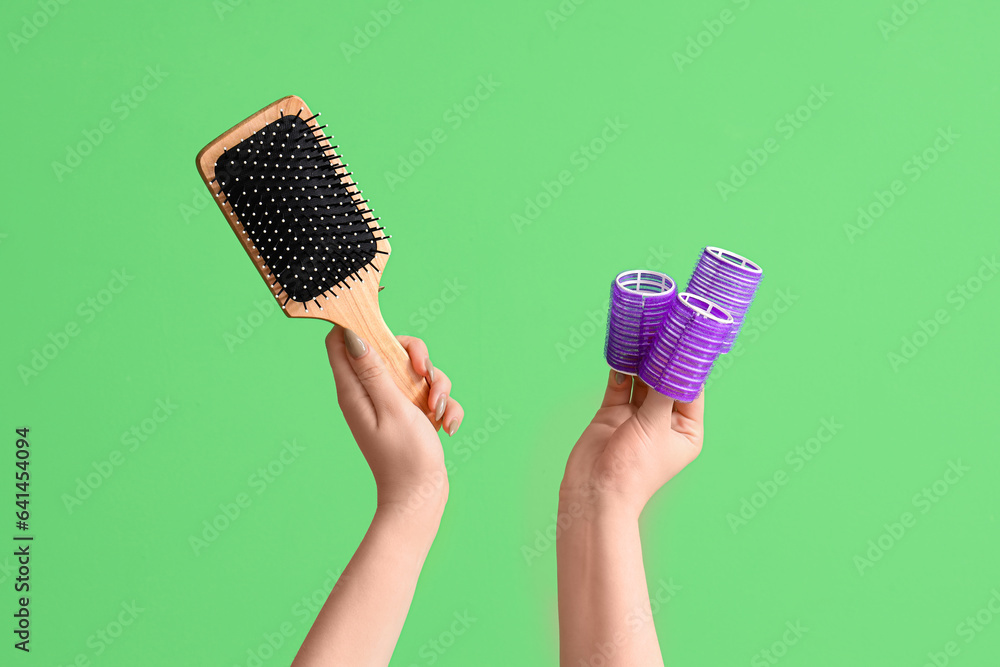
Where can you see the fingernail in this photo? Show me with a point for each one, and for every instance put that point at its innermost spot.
(619, 378)
(442, 404)
(452, 427)
(355, 346)
(430, 371)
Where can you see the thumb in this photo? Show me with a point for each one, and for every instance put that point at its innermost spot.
(371, 371)
(655, 415)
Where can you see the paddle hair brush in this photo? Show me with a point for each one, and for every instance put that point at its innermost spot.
(305, 225)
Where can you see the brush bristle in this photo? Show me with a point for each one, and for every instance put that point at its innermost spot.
(309, 229)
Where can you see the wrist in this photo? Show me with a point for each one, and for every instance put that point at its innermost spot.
(593, 526)
(594, 501)
(415, 524)
(421, 503)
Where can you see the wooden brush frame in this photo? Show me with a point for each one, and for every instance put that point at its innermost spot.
(354, 307)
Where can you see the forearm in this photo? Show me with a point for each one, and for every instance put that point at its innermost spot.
(361, 620)
(604, 605)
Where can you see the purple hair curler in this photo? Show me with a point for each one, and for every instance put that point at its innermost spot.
(691, 338)
(639, 302)
(729, 280)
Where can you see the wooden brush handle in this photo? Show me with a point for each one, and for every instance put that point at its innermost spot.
(355, 300)
(375, 333)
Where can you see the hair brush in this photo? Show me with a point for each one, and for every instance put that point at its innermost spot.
(291, 201)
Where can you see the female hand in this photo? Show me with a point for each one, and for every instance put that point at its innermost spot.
(360, 622)
(397, 440)
(637, 441)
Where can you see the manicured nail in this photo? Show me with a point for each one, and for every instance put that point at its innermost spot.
(355, 346)
(442, 404)
(452, 427)
(430, 370)
(619, 378)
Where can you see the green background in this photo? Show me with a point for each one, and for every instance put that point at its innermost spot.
(520, 337)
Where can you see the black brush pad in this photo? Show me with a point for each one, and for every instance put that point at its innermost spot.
(294, 208)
